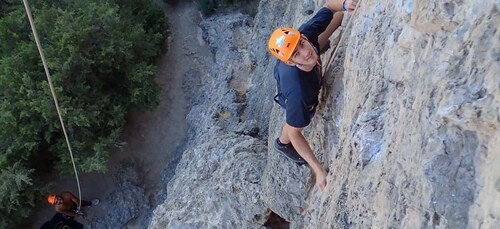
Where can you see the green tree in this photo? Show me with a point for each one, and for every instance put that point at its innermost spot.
(101, 56)
(208, 7)
(16, 194)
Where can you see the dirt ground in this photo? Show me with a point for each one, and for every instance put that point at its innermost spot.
(152, 137)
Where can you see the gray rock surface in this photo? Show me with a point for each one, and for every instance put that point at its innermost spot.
(123, 205)
(218, 179)
(408, 124)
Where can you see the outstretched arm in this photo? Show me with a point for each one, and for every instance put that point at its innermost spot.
(335, 23)
(337, 5)
(74, 199)
(351, 5)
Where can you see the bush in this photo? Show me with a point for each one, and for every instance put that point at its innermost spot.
(16, 194)
(100, 55)
(208, 7)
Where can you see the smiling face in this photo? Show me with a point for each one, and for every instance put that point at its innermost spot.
(304, 54)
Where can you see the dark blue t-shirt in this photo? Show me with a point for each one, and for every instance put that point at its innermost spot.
(301, 88)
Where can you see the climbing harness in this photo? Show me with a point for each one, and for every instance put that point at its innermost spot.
(49, 79)
(332, 57)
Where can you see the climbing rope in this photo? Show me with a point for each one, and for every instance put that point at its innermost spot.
(332, 57)
(49, 79)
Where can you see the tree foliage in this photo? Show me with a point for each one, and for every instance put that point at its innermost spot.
(16, 193)
(208, 7)
(101, 57)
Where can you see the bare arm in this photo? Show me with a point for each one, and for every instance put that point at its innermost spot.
(334, 5)
(335, 23)
(73, 198)
(337, 5)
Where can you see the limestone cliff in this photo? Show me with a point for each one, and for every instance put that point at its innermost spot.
(408, 124)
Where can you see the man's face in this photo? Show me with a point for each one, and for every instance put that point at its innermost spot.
(304, 54)
(58, 201)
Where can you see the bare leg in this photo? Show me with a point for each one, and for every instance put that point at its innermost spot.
(284, 136)
(335, 23)
(299, 142)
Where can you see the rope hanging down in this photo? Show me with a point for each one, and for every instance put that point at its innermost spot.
(49, 79)
(332, 57)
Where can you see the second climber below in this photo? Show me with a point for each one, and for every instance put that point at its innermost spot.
(68, 204)
(298, 75)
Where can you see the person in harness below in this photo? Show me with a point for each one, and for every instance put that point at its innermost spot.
(298, 76)
(67, 204)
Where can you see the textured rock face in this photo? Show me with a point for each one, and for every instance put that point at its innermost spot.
(408, 124)
(219, 186)
(416, 119)
(217, 183)
(124, 204)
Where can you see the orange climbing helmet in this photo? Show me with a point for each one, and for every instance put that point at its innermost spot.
(283, 42)
(52, 198)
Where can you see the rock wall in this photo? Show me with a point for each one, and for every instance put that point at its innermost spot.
(408, 124)
(217, 183)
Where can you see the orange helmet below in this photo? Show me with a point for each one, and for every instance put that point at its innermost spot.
(283, 42)
(51, 199)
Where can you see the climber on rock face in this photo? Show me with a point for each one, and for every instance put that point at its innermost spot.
(298, 75)
(67, 204)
